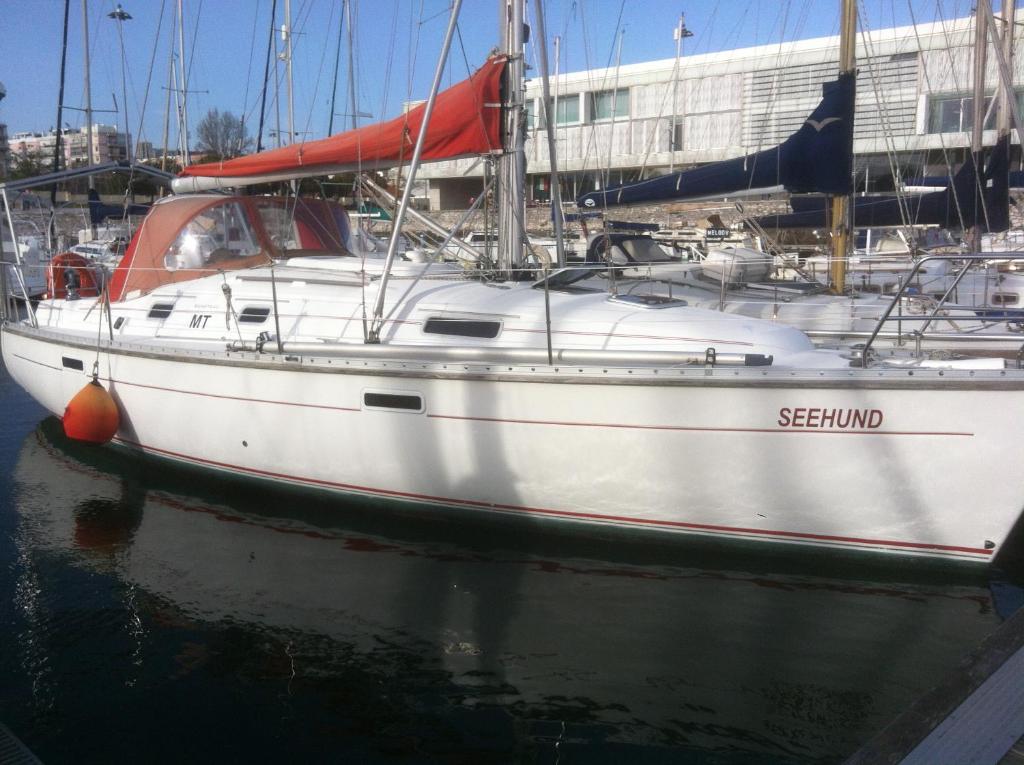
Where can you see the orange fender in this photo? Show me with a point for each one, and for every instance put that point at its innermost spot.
(92, 415)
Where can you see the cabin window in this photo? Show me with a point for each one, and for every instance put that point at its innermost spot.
(462, 327)
(214, 236)
(1005, 298)
(254, 314)
(304, 224)
(608, 104)
(160, 310)
(400, 402)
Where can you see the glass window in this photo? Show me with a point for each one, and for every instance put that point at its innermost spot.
(955, 114)
(215, 235)
(533, 116)
(304, 224)
(609, 104)
(568, 110)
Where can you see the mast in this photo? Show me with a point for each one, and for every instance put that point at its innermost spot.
(120, 15)
(512, 162)
(185, 153)
(88, 93)
(978, 110)
(286, 35)
(1006, 91)
(841, 204)
(680, 32)
(556, 184)
(60, 117)
(351, 64)
(334, 80)
(167, 105)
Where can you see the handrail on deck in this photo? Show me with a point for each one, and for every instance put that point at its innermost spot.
(966, 259)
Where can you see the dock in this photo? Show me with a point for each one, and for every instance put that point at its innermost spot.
(974, 717)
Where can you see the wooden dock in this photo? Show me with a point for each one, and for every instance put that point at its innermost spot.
(975, 717)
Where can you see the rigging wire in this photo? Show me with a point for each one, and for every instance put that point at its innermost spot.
(890, 147)
(927, 78)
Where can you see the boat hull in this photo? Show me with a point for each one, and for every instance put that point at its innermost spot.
(916, 462)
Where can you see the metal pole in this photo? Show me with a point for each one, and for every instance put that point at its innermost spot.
(673, 146)
(841, 204)
(556, 185)
(186, 157)
(88, 92)
(286, 36)
(351, 64)
(978, 114)
(334, 81)
(19, 263)
(120, 15)
(419, 217)
(167, 105)
(511, 164)
(378, 306)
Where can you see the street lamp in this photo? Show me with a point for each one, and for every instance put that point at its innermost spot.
(120, 15)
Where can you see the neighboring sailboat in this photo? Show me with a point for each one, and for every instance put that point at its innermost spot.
(816, 158)
(962, 312)
(532, 398)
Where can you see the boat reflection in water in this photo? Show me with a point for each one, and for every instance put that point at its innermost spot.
(282, 625)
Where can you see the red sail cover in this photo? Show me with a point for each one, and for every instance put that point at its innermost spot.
(466, 120)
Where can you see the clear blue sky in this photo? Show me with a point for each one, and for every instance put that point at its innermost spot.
(227, 42)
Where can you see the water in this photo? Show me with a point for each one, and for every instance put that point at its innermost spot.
(156, 614)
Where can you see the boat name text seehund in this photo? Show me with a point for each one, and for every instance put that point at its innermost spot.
(841, 419)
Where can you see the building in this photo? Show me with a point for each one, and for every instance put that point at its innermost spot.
(108, 145)
(914, 111)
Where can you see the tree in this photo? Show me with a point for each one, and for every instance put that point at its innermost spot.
(29, 165)
(222, 135)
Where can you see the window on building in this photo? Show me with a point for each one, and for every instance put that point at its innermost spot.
(608, 104)
(955, 113)
(568, 111)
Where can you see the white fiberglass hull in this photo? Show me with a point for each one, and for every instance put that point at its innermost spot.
(914, 462)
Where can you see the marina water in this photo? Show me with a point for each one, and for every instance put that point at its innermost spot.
(153, 613)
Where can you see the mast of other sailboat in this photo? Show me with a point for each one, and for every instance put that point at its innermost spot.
(512, 162)
(841, 204)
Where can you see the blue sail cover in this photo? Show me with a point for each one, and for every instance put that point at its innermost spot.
(963, 204)
(816, 158)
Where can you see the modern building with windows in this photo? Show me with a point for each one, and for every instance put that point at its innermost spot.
(914, 111)
(108, 145)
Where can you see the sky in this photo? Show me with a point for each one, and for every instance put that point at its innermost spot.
(396, 43)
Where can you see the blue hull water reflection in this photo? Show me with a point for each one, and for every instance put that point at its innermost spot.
(162, 615)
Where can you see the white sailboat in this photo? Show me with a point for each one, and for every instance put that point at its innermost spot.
(373, 378)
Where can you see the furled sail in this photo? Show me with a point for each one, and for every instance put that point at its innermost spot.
(816, 158)
(964, 203)
(466, 121)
